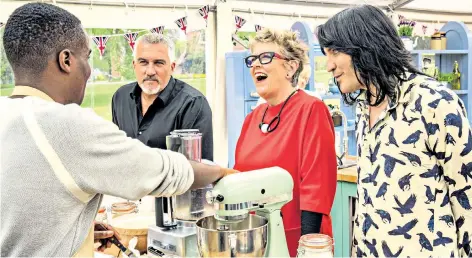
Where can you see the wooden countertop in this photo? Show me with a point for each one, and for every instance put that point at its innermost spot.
(348, 174)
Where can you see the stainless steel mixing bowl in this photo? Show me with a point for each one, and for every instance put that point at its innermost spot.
(246, 238)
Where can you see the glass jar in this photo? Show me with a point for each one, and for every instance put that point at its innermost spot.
(315, 245)
(101, 214)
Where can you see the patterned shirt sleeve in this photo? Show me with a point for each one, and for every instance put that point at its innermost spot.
(452, 146)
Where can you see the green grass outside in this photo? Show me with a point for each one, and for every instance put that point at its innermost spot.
(98, 95)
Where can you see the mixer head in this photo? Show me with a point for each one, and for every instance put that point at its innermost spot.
(234, 196)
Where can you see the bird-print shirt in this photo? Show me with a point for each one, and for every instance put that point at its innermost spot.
(414, 175)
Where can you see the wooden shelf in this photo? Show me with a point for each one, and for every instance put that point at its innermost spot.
(341, 128)
(331, 96)
(461, 92)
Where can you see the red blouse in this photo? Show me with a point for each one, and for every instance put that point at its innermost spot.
(302, 144)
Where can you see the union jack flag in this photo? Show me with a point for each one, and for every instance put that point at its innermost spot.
(424, 29)
(182, 23)
(239, 22)
(158, 30)
(101, 42)
(131, 38)
(203, 11)
(258, 27)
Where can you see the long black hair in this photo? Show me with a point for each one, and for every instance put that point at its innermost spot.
(379, 57)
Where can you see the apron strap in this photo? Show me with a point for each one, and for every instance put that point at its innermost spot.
(51, 156)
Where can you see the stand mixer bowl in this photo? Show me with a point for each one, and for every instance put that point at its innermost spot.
(245, 238)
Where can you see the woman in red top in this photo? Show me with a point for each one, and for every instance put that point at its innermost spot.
(293, 131)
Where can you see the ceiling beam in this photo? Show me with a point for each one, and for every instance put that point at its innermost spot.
(124, 3)
(399, 4)
(315, 3)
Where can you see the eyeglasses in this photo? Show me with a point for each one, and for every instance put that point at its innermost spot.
(264, 58)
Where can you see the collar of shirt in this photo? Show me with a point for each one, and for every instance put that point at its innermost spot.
(402, 95)
(165, 95)
(30, 91)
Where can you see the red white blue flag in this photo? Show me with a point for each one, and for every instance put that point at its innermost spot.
(158, 30)
(131, 38)
(258, 27)
(203, 11)
(101, 42)
(239, 22)
(182, 23)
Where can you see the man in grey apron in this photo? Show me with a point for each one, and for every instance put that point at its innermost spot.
(58, 159)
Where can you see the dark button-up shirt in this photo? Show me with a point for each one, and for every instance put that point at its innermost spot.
(415, 175)
(178, 106)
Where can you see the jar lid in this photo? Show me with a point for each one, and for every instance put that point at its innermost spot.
(186, 132)
(102, 209)
(123, 207)
(316, 241)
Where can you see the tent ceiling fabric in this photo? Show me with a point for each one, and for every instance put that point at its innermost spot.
(459, 6)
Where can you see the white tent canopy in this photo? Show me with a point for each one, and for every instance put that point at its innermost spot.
(138, 13)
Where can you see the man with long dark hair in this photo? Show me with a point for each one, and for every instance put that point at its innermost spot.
(414, 142)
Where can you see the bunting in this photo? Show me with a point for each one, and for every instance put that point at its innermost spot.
(182, 23)
(425, 28)
(258, 27)
(239, 22)
(157, 30)
(203, 11)
(101, 42)
(131, 38)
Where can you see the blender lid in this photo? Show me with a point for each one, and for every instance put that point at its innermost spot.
(186, 132)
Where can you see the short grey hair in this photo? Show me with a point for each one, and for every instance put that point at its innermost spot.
(154, 38)
(290, 47)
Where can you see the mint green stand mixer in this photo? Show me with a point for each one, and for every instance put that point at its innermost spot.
(233, 231)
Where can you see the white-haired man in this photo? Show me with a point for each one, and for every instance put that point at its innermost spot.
(156, 104)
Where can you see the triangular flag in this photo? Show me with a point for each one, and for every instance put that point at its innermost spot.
(258, 27)
(158, 30)
(182, 23)
(131, 38)
(101, 42)
(239, 22)
(203, 11)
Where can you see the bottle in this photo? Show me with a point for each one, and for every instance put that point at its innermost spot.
(456, 77)
(315, 245)
(101, 214)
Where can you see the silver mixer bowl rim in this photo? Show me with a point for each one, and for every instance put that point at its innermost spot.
(239, 230)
